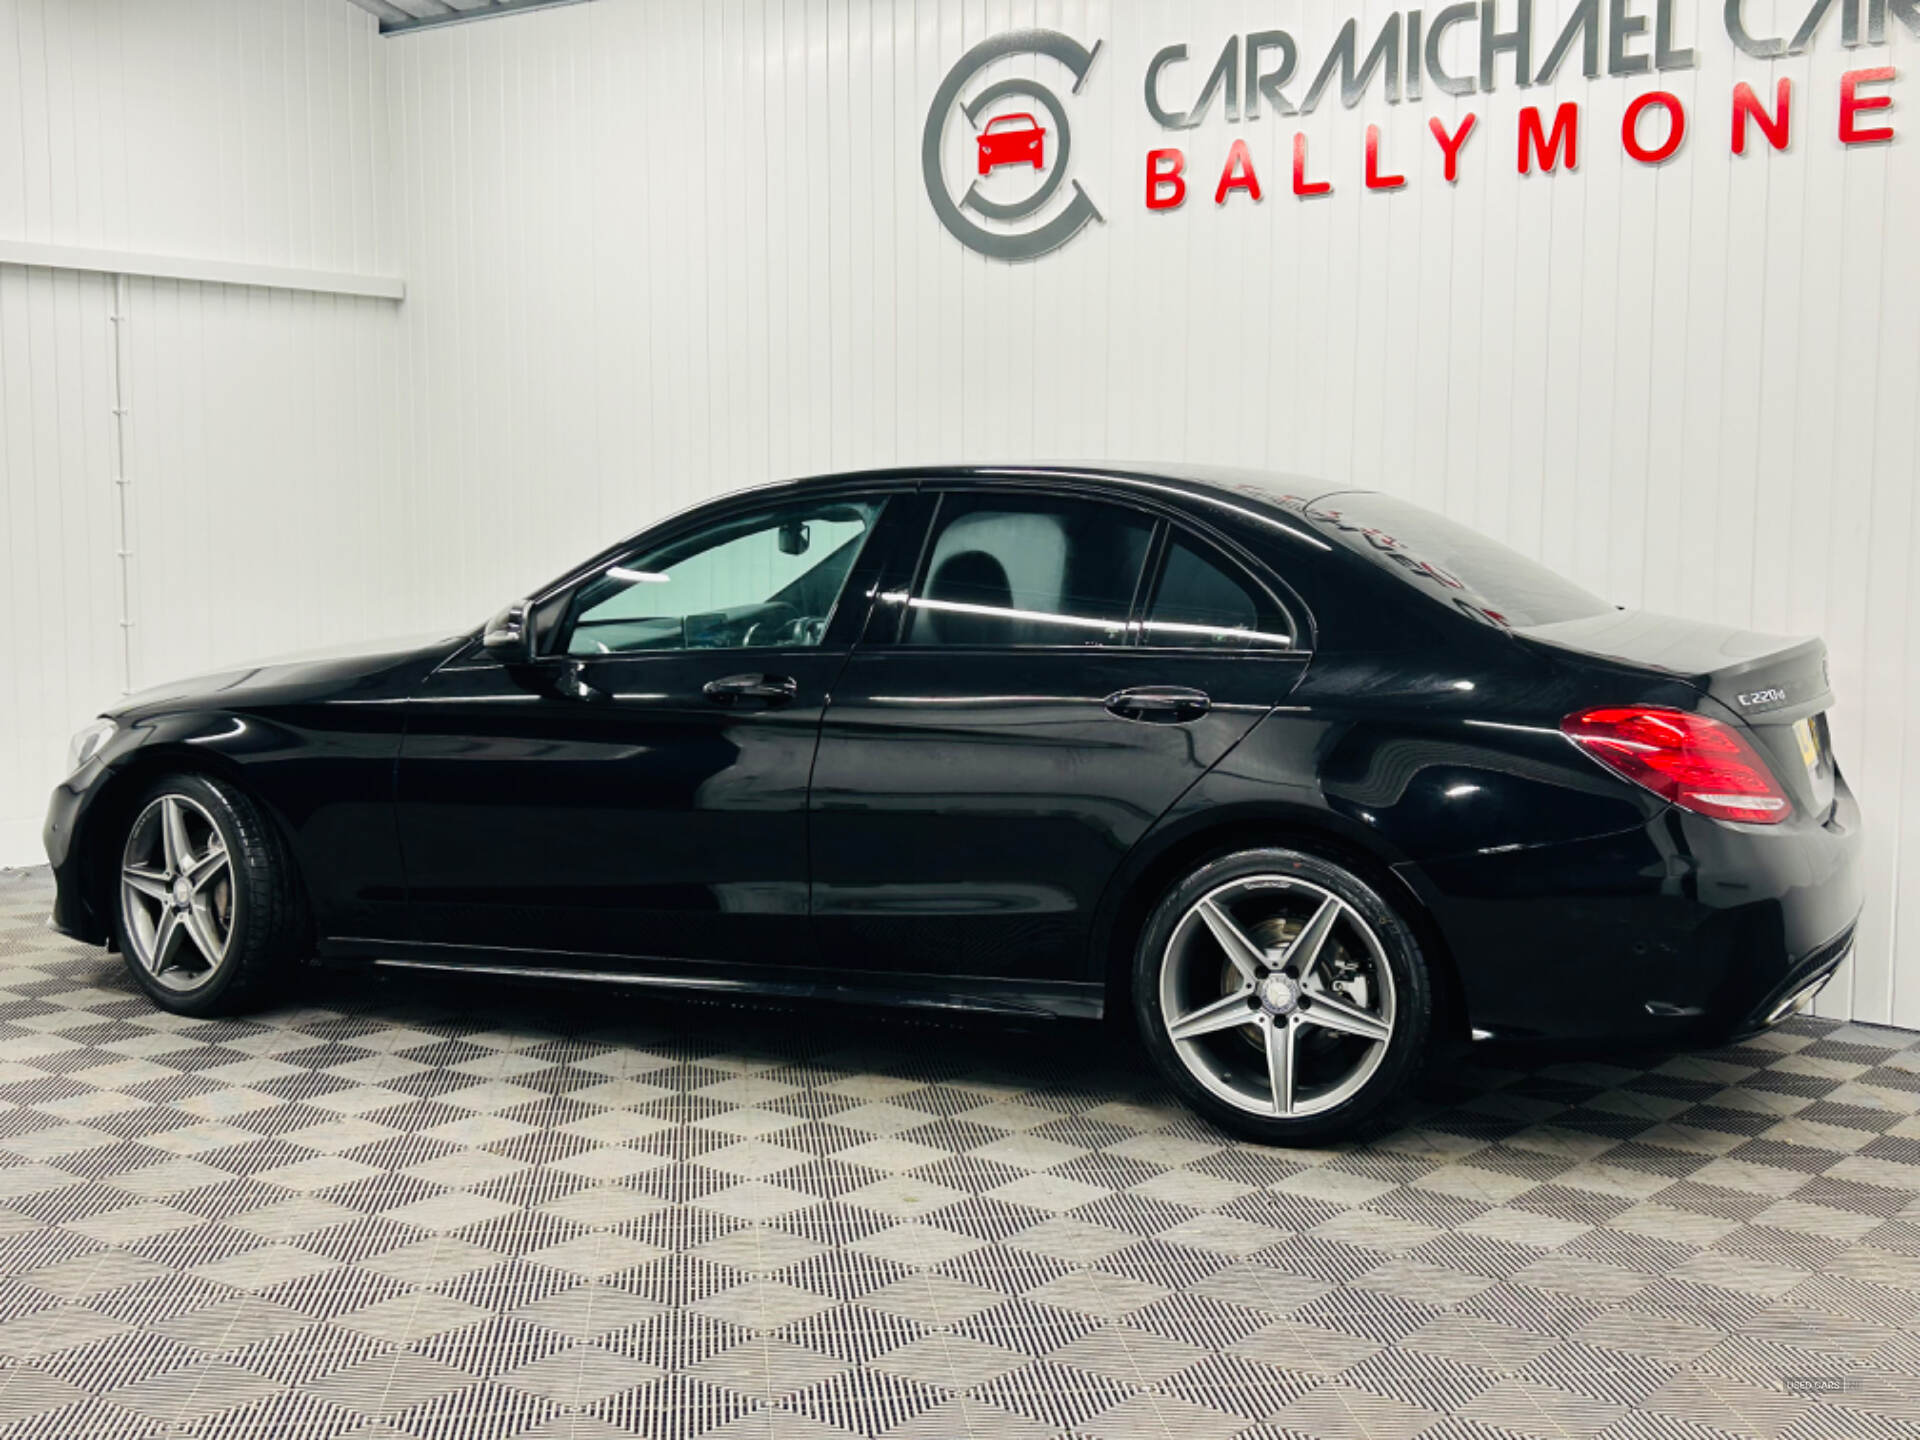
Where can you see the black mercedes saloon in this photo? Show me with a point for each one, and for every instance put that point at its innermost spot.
(1312, 783)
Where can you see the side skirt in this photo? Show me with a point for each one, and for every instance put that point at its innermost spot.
(968, 994)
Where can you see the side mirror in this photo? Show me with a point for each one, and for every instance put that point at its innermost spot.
(509, 636)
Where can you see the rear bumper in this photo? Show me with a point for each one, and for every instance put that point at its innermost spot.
(1685, 931)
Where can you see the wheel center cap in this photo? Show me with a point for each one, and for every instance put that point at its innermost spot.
(1279, 994)
(182, 892)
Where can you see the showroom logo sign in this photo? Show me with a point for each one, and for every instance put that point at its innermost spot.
(1266, 81)
(1005, 229)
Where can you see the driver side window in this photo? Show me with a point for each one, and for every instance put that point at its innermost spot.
(761, 581)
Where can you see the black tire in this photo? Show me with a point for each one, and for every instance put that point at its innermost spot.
(267, 938)
(1406, 1049)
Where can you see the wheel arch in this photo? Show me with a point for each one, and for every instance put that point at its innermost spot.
(1161, 859)
(119, 792)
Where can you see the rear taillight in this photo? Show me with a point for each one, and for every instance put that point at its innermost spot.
(1692, 760)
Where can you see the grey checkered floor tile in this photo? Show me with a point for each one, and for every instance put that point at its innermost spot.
(407, 1209)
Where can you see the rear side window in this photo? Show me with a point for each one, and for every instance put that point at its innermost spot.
(1018, 571)
(1454, 563)
(1202, 601)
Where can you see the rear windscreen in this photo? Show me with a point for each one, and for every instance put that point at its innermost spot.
(1480, 576)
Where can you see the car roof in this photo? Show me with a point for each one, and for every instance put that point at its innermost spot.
(1225, 480)
(1275, 498)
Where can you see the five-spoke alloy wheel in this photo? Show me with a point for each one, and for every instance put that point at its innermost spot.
(177, 893)
(204, 903)
(1281, 994)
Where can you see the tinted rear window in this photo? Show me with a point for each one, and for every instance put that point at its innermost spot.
(1201, 602)
(1454, 563)
(1029, 570)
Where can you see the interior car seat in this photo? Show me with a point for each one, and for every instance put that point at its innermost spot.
(972, 577)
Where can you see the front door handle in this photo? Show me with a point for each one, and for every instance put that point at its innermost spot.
(769, 689)
(1160, 704)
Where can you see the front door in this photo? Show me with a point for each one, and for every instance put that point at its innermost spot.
(639, 791)
(1055, 674)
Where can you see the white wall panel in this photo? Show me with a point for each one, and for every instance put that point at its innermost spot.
(232, 129)
(261, 508)
(658, 251)
(264, 520)
(60, 648)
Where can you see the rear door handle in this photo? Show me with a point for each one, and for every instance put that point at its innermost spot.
(769, 689)
(1160, 704)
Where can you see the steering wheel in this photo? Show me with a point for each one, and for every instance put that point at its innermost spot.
(777, 624)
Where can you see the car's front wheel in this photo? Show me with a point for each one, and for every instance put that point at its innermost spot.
(1281, 995)
(205, 904)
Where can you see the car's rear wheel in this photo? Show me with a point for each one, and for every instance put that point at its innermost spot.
(1281, 995)
(205, 904)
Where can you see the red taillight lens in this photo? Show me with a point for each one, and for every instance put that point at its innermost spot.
(1693, 761)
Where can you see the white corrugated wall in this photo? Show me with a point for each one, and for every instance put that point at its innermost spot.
(260, 475)
(655, 251)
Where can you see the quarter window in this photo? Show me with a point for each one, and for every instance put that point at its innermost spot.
(763, 581)
(1029, 572)
(1201, 602)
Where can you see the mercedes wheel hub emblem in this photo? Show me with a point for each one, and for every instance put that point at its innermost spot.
(182, 892)
(1279, 994)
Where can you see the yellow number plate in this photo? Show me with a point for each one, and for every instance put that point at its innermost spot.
(1809, 747)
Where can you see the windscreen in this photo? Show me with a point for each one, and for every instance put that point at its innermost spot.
(1455, 563)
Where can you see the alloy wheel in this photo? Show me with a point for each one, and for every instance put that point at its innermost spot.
(177, 893)
(1277, 995)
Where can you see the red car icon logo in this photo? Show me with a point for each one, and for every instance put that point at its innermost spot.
(1012, 140)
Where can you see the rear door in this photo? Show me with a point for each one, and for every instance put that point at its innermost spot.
(1036, 686)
